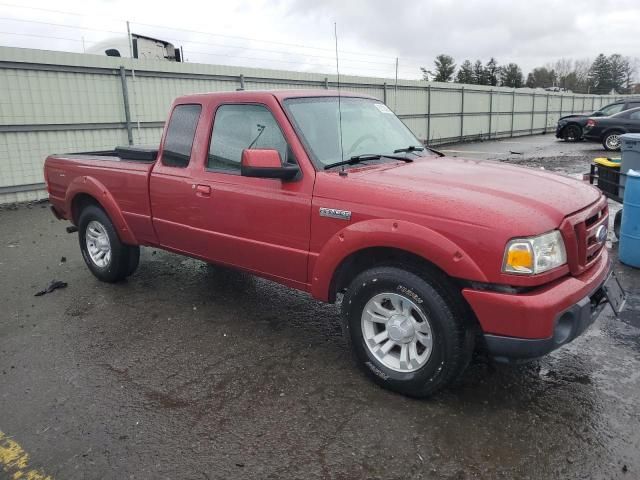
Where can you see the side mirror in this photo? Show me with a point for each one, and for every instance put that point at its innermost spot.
(597, 114)
(266, 164)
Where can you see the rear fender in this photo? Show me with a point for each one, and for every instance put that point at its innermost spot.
(95, 189)
(396, 234)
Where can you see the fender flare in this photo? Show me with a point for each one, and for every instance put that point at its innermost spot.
(92, 187)
(397, 234)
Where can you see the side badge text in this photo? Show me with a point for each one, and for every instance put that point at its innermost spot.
(334, 213)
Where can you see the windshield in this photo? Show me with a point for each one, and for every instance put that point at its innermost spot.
(368, 127)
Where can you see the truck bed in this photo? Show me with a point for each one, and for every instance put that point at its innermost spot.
(122, 154)
(122, 173)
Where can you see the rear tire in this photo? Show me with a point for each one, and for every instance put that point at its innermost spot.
(611, 141)
(572, 133)
(107, 257)
(431, 341)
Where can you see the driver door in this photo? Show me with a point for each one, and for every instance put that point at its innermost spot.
(258, 224)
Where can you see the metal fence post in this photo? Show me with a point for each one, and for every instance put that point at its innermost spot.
(125, 99)
(490, 112)
(326, 83)
(428, 111)
(573, 103)
(462, 115)
(546, 115)
(384, 93)
(593, 104)
(533, 109)
(241, 83)
(513, 109)
(561, 100)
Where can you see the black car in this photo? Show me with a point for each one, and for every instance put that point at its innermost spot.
(571, 127)
(608, 129)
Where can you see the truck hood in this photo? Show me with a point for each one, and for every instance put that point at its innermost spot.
(472, 187)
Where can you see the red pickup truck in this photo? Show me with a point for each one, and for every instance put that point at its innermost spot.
(430, 256)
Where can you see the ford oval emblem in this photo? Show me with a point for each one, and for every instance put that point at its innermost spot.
(601, 234)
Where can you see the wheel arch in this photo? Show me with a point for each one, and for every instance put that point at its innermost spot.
(84, 191)
(366, 258)
(573, 124)
(380, 241)
(613, 129)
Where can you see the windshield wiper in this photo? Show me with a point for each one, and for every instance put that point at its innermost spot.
(409, 149)
(364, 157)
(414, 148)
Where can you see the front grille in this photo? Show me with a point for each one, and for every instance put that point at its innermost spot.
(579, 231)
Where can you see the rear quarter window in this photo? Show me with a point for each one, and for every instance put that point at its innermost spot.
(180, 134)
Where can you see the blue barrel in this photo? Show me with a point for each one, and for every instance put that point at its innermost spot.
(630, 149)
(629, 249)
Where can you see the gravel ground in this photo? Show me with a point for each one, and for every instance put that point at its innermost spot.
(186, 371)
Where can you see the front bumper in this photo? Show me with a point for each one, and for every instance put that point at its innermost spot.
(559, 130)
(529, 325)
(569, 325)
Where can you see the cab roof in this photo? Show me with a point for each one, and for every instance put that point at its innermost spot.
(278, 94)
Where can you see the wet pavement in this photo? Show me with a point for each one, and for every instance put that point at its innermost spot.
(187, 371)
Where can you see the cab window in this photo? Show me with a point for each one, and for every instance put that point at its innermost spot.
(180, 133)
(237, 127)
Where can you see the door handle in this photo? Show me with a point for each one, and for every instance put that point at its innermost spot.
(203, 190)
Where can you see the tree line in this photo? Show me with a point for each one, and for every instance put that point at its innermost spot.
(600, 76)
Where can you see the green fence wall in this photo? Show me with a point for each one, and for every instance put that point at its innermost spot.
(54, 102)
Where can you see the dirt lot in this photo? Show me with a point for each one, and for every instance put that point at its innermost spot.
(191, 372)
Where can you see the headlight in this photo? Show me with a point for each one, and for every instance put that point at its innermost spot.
(533, 255)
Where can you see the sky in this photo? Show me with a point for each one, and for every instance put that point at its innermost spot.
(299, 34)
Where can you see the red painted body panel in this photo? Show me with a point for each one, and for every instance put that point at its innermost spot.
(261, 158)
(533, 315)
(458, 214)
(120, 187)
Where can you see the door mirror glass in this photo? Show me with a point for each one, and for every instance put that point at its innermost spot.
(266, 164)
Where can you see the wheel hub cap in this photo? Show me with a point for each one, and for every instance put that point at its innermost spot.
(98, 245)
(401, 329)
(397, 332)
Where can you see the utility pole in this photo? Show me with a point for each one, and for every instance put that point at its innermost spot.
(395, 94)
(133, 77)
(129, 40)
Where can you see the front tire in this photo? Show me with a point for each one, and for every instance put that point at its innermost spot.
(611, 141)
(107, 257)
(572, 133)
(406, 331)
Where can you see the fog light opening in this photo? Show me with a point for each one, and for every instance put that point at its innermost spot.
(563, 329)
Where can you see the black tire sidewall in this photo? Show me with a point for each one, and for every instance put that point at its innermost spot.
(446, 340)
(119, 264)
(570, 128)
